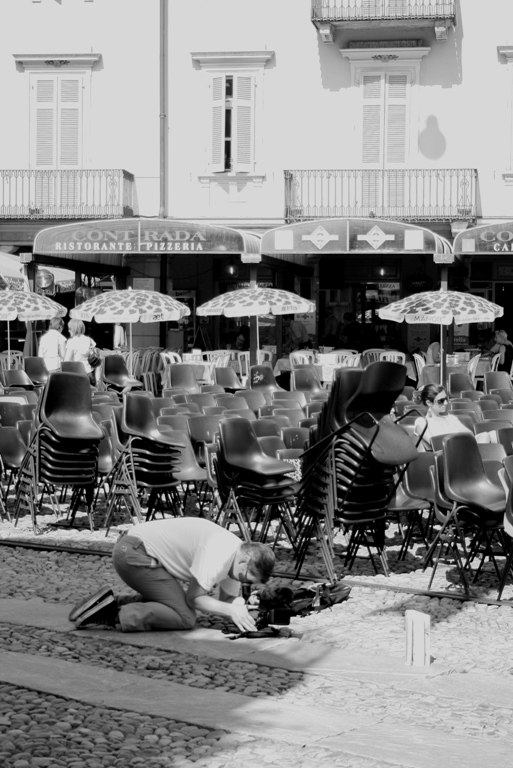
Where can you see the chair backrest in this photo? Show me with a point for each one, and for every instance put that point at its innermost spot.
(270, 444)
(254, 398)
(301, 358)
(465, 479)
(178, 421)
(458, 382)
(114, 365)
(17, 378)
(351, 361)
(66, 407)
(472, 367)
(74, 366)
(181, 376)
(295, 437)
(292, 397)
(36, 370)
(227, 378)
(168, 358)
(203, 399)
(379, 387)
(420, 362)
(263, 427)
(496, 380)
(262, 377)
(305, 380)
(243, 360)
(372, 355)
(295, 415)
(264, 356)
(501, 414)
(495, 362)
(393, 356)
(505, 438)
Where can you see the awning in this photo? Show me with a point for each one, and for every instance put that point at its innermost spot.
(351, 236)
(487, 238)
(108, 242)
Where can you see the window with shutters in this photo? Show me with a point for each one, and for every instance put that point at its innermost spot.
(56, 136)
(385, 132)
(232, 123)
(235, 83)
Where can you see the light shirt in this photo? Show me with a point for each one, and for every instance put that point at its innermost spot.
(77, 350)
(433, 351)
(52, 349)
(437, 425)
(192, 546)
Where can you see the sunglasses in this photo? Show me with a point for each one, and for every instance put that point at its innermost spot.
(441, 401)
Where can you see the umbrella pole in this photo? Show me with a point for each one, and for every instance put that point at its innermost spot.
(130, 368)
(443, 351)
(9, 343)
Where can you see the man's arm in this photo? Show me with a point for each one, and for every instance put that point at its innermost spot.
(227, 605)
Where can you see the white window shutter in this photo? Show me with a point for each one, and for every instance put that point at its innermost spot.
(43, 135)
(218, 106)
(397, 91)
(243, 127)
(69, 109)
(372, 128)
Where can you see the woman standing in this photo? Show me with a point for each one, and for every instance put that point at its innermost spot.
(505, 348)
(79, 346)
(52, 347)
(438, 420)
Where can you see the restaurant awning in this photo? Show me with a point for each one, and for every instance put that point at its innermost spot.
(108, 242)
(493, 239)
(351, 236)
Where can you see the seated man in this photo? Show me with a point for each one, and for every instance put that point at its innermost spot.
(154, 557)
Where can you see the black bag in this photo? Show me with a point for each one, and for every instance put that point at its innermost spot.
(94, 358)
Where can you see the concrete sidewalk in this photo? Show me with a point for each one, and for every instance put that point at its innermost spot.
(362, 734)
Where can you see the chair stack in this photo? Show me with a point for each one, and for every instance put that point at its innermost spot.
(145, 465)
(64, 451)
(349, 468)
(254, 488)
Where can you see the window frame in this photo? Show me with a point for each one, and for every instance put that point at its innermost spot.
(240, 64)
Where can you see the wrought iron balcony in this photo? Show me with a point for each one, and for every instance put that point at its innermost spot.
(414, 194)
(335, 14)
(74, 194)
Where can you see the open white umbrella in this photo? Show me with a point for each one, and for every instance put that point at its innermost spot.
(131, 306)
(27, 306)
(442, 308)
(250, 302)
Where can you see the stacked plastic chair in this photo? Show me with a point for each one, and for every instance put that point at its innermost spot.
(64, 450)
(348, 471)
(146, 464)
(254, 488)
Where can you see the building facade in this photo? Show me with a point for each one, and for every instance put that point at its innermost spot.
(260, 117)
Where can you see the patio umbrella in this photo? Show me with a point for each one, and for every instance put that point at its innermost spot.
(250, 302)
(131, 306)
(442, 308)
(27, 306)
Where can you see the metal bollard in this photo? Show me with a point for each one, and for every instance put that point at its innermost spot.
(418, 627)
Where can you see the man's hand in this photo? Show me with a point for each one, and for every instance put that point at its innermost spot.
(241, 617)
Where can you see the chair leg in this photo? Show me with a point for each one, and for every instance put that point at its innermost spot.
(507, 567)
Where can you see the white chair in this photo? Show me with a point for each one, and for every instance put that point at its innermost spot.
(392, 356)
(304, 357)
(420, 362)
(495, 362)
(264, 357)
(372, 355)
(243, 361)
(351, 361)
(472, 369)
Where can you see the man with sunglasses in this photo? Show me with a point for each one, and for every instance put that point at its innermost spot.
(438, 419)
(156, 558)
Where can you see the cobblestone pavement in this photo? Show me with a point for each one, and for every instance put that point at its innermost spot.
(470, 641)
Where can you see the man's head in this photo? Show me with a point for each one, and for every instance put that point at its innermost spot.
(254, 563)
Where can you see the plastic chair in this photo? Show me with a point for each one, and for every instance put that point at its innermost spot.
(244, 366)
(203, 399)
(294, 415)
(501, 414)
(178, 421)
(261, 377)
(267, 426)
(292, 397)
(36, 370)
(18, 378)
(419, 362)
(372, 355)
(497, 380)
(231, 402)
(393, 356)
(459, 382)
(295, 437)
(264, 357)
(306, 380)
(228, 379)
(181, 376)
(301, 358)
(66, 407)
(254, 398)
(472, 368)
(271, 444)
(115, 375)
(505, 438)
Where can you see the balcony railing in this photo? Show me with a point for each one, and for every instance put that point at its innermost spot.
(445, 194)
(80, 194)
(365, 10)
